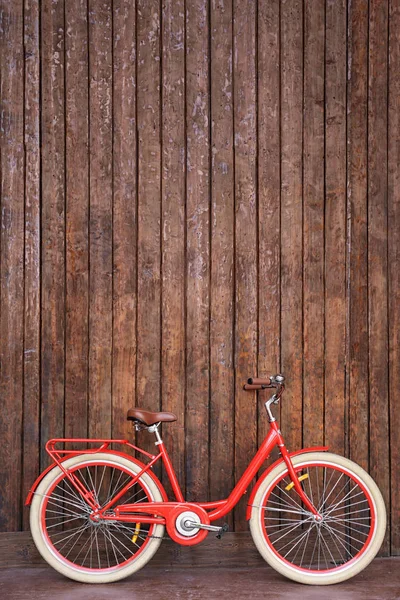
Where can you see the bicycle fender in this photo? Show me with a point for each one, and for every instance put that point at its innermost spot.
(123, 454)
(277, 462)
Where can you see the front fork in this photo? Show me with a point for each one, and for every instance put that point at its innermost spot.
(285, 455)
(296, 483)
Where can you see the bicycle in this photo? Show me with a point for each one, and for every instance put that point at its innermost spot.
(99, 515)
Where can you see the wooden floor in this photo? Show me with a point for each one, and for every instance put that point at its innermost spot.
(228, 568)
(381, 581)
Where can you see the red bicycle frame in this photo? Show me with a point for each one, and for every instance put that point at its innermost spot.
(165, 512)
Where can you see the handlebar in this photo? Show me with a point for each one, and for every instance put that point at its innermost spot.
(263, 383)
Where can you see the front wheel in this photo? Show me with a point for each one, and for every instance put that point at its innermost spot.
(321, 552)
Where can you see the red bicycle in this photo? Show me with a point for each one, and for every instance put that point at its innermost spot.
(98, 515)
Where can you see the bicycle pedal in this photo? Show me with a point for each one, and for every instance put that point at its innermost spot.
(222, 530)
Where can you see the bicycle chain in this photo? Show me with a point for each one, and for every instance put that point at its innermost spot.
(159, 537)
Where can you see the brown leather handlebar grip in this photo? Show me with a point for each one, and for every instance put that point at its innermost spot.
(249, 386)
(259, 381)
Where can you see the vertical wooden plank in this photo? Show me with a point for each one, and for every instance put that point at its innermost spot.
(77, 209)
(100, 221)
(313, 222)
(198, 248)
(173, 229)
(53, 223)
(377, 250)
(222, 236)
(149, 209)
(31, 409)
(268, 197)
(357, 213)
(11, 259)
(245, 237)
(335, 225)
(124, 224)
(394, 268)
(291, 217)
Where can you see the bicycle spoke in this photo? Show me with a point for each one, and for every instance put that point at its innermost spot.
(327, 547)
(302, 536)
(119, 541)
(337, 533)
(285, 510)
(313, 553)
(352, 506)
(345, 522)
(81, 530)
(75, 498)
(74, 544)
(334, 487)
(97, 546)
(112, 546)
(62, 523)
(326, 486)
(343, 559)
(60, 499)
(109, 534)
(282, 526)
(347, 535)
(305, 545)
(101, 482)
(293, 502)
(71, 533)
(343, 500)
(106, 547)
(321, 548)
(285, 503)
(289, 531)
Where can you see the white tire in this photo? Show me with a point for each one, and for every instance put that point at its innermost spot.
(342, 572)
(65, 567)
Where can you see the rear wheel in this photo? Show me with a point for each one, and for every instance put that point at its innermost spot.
(316, 552)
(77, 546)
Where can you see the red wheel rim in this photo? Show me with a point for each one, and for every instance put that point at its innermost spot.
(368, 499)
(49, 542)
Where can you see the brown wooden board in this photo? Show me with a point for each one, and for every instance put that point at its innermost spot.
(313, 222)
(124, 216)
(149, 210)
(100, 217)
(357, 240)
(269, 231)
(53, 223)
(246, 286)
(222, 258)
(394, 270)
(197, 249)
(11, 260)
(173, 228)
(291, 218)
(378, 251)
(77, 219)
(335, 226)
(31, 408)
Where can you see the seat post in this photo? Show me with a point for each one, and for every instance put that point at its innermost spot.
(154, 429)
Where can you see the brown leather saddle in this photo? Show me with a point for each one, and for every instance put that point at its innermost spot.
(149, 418)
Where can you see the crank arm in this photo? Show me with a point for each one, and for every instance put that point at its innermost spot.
(218, 530)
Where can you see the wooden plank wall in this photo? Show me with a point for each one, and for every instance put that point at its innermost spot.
(194, 191)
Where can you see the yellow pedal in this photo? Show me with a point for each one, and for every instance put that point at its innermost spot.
(291, 484)
(136, 534)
